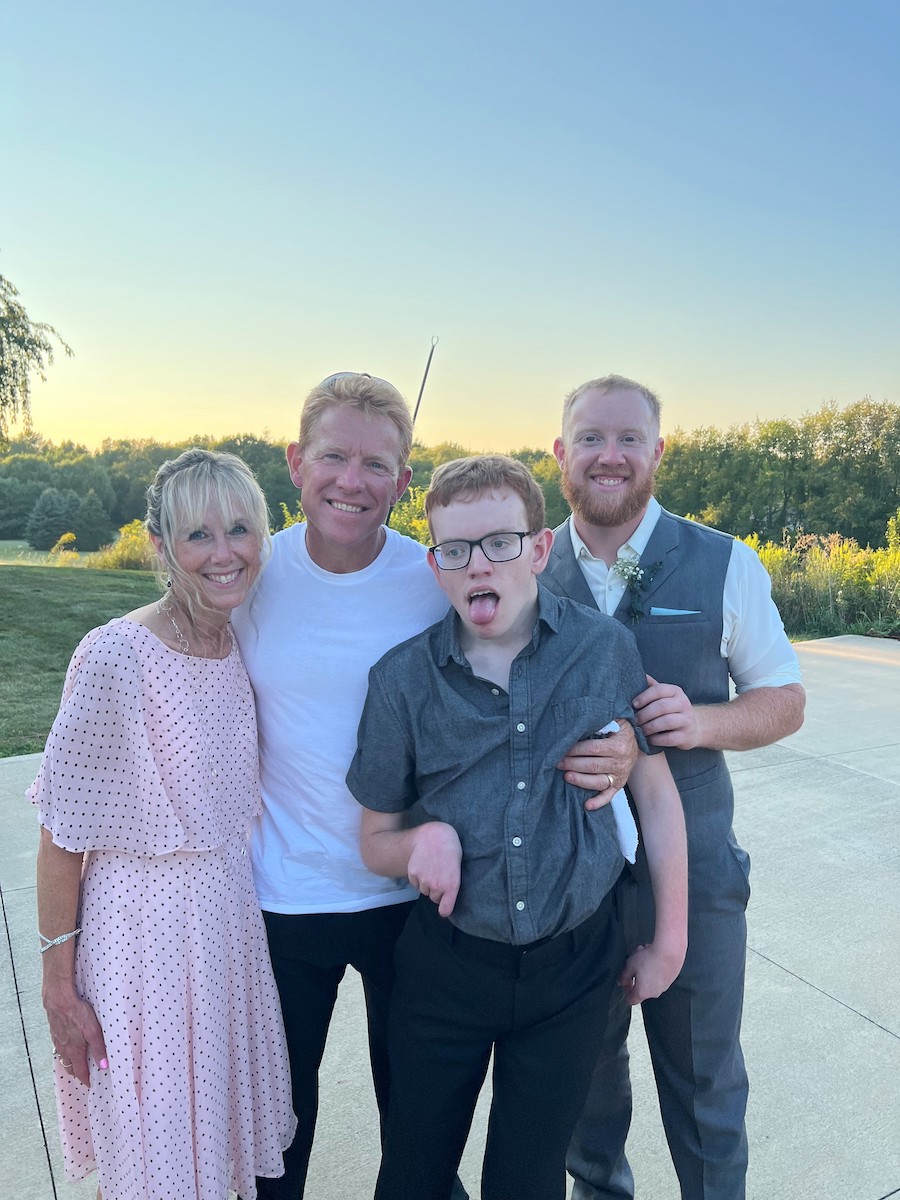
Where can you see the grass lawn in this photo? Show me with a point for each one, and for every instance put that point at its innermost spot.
(20, 552)
(44, 613)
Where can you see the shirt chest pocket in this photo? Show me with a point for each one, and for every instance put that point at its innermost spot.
(453, 741)
(578, 718)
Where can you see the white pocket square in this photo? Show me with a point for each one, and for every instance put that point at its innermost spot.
(676, 612)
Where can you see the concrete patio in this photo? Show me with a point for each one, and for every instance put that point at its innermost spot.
(820, 815)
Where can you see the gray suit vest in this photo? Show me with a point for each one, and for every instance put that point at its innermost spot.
(685, 650)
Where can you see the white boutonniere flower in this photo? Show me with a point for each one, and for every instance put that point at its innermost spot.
(638, 580)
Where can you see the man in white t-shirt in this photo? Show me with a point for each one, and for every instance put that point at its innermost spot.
(339, 591)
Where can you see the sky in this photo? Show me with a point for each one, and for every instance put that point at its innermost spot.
(217, 204)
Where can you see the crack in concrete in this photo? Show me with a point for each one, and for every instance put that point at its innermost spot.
(849, 1007)
(34, 1091)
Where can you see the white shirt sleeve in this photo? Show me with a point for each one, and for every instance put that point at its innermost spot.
(753, 638)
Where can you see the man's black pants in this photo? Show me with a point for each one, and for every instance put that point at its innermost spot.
(310, 953)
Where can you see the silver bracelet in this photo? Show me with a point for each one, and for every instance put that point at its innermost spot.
(57, 941)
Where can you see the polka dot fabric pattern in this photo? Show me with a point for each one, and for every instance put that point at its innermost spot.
(152, 766)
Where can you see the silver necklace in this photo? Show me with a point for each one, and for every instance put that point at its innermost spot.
(183, 644)
(164, 610)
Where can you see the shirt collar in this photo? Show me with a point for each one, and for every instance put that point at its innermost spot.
(636, 544)
(447, 631)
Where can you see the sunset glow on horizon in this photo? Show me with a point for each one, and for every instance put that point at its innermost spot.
(218, 206)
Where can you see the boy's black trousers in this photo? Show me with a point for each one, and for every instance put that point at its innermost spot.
(541, 1009)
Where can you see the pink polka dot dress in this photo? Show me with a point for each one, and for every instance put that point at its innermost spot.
(151, 766)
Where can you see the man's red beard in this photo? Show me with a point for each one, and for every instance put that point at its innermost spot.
(591, 507)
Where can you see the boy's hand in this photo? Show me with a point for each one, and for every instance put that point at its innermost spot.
(648, 972)
(434, 864)
(601, 765)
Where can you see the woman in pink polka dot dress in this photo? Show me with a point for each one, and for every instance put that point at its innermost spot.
(171, 1066)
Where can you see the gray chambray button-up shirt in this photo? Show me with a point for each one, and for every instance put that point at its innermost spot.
(437, 740)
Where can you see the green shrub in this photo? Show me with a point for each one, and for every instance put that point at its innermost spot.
(62, 554)
(288, 518)
(131, 551)
(91, 525)
(825, 586)
(52, 516)
(408, 516)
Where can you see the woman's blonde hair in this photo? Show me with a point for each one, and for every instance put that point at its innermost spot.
(178, 499)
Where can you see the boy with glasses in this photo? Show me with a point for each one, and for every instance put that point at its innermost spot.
(513, 945)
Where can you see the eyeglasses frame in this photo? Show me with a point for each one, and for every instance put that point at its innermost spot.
(473, 542)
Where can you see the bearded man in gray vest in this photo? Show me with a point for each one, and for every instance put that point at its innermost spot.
(699, 603)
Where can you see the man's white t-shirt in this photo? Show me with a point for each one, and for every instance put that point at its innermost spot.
(308, 638)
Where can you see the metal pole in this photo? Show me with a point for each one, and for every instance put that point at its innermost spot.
(434, 342)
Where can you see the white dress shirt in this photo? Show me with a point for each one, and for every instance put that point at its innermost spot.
(753, 639)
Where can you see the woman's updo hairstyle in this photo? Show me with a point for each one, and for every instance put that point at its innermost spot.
(184, 490)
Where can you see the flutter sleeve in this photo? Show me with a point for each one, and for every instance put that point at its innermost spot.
(98, 787)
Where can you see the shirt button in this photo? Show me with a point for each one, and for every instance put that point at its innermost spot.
(520, 904)
(495, 691)
(517, 841)
(520, 728)
(521, 785)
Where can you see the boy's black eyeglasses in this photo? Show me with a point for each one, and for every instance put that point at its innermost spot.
(496, 548)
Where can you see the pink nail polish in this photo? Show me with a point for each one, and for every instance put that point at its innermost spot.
(103, 1064)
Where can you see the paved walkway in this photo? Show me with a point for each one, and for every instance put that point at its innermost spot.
(820, 815)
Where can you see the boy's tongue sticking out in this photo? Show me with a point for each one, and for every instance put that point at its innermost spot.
(482, 606)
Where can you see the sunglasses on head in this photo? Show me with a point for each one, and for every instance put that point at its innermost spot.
(352, 375)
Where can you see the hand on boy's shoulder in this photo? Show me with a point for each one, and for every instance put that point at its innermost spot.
(434, 864)
(667, 717)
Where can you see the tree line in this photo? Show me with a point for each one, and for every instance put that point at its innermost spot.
(833, 471)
